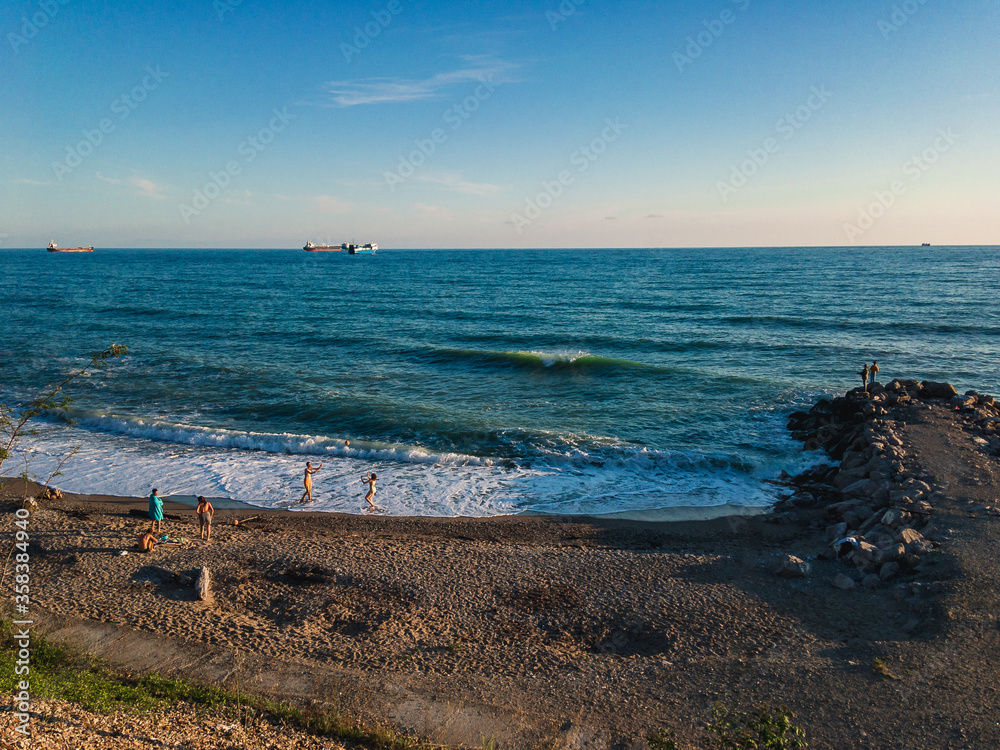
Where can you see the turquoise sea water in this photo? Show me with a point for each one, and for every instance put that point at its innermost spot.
(476, 382)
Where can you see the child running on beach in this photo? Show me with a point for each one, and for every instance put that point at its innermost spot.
(155, 511)
(369, 479)
(205, 512)
(307, 480)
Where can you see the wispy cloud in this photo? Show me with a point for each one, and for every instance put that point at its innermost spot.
(438, 212)
(331, 204)
(394, 90)
(453, 181)
(25, 181)
(148, 188)
(653, 216)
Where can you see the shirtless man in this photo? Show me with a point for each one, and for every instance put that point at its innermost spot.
(205, 513)
(148, 541)
(307, 480)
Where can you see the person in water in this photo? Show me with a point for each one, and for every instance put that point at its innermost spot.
(370, 479)
(205, 512)
(307, 480)
(864, 375)
(155, 511)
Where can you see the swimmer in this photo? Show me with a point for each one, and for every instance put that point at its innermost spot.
(307, 480)
(369, 479)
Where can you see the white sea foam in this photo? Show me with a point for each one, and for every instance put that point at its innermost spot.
(306, 445)
(222, 464)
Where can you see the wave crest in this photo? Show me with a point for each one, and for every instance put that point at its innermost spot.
(269, 442)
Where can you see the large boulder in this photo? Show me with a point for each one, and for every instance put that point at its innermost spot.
(842, 582)
(791, 566)
(931, 389)
(866, 555)
(914, 542)
(888, 571)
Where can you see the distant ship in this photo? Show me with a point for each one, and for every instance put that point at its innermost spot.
(54, 248)
(926, 244)
(349, 247)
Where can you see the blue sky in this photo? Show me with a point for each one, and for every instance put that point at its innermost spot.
(499, 124)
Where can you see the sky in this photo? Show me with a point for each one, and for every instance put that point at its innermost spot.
(556, 123)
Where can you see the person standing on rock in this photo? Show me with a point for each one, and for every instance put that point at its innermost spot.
(864, 376)
(874, 372)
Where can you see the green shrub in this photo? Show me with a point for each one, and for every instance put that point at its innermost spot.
(760, 729)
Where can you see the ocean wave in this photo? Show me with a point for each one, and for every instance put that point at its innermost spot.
(576, 361)
(269, 442)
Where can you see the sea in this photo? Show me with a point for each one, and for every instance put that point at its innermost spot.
(614, 382)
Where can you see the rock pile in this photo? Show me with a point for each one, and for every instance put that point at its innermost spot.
(50, 494)
(877, 505)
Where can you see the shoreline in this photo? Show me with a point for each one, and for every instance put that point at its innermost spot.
(549, 625)
(180, 503)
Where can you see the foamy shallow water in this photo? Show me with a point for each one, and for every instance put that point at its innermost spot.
(114, 464)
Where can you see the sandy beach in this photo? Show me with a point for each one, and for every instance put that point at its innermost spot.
(560, 631)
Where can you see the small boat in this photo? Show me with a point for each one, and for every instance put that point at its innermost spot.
(54, 248)
(312, 248)
(926, 244)
(352, 249)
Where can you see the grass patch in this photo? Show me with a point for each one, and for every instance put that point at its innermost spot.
(762, 728)
(662, 740)
(880, 668)
(60, 672)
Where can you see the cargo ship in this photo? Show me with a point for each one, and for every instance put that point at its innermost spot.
(54, 248)
(349, 247)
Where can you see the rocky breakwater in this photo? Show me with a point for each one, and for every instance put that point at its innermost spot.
(873, 514)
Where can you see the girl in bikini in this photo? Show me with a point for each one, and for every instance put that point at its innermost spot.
(369, 479)
(308, 481)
